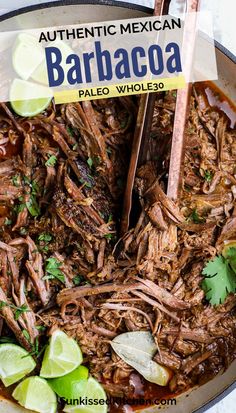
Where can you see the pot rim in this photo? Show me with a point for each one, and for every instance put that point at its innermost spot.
(147, 10)
(55, 3)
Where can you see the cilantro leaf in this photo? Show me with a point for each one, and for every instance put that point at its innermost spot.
(33, 206)
(53, 270)
(51, 161)
(18, 310)
(77, 280)
(45, 237)
(208, 175)
(220, 280)
(90, 162)
(195, 217)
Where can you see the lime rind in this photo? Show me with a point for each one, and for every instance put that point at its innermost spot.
(92, 390)
(23, 98)
(72, 385)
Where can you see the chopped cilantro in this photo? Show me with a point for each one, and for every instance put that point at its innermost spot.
(110, 218)
(208, 175)
(40, 328)
(8, 221)
(70, 131)
(53, 271)
(90, 162)
(26, 334)
(220, 279)
(18, 310)
(23, 231)
(109, 236)
(15, 180)
(26, 180)
(33, 206)
(86, 183)
(52, 160)
(195, 217)
(78, 279)
(45, 237)
(34, 187)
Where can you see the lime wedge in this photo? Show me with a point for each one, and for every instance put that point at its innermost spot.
(62, 356)
(72, 385)
(22, 101)
(93, 390)
(27, 55)
(40, 74)
(15, 363)
(35, 394)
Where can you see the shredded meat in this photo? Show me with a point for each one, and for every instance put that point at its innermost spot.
(62, 264)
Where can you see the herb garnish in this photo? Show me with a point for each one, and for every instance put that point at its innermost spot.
(220, 277)
(45, 237)
(15, 180)
(40, 328)
(208, 175)
(51, 161)
(90, 162)
(33, 206)
(70, 131)
(109, 236)
(86, 183)
(53, 271)
(77, 280)
(18, 310)
(195, 217)
(8, 221)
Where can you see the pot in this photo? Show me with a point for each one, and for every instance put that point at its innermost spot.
(56, 13)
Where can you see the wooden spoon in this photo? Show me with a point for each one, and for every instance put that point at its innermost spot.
(144, 123)
(143, 126)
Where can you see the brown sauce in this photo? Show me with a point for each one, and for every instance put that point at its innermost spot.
(149, 392)
(216, 99)
(11, 150)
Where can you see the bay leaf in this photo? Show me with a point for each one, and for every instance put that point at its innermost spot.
(137, 349)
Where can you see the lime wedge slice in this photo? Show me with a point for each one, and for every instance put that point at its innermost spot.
(35, 394)
(72, 385)
(27, 55)
(62, 356)
(93, 390)
(40, 74)
(15, 363)
(22, 101)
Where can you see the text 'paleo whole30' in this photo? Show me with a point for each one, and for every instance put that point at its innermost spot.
(120, 64)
